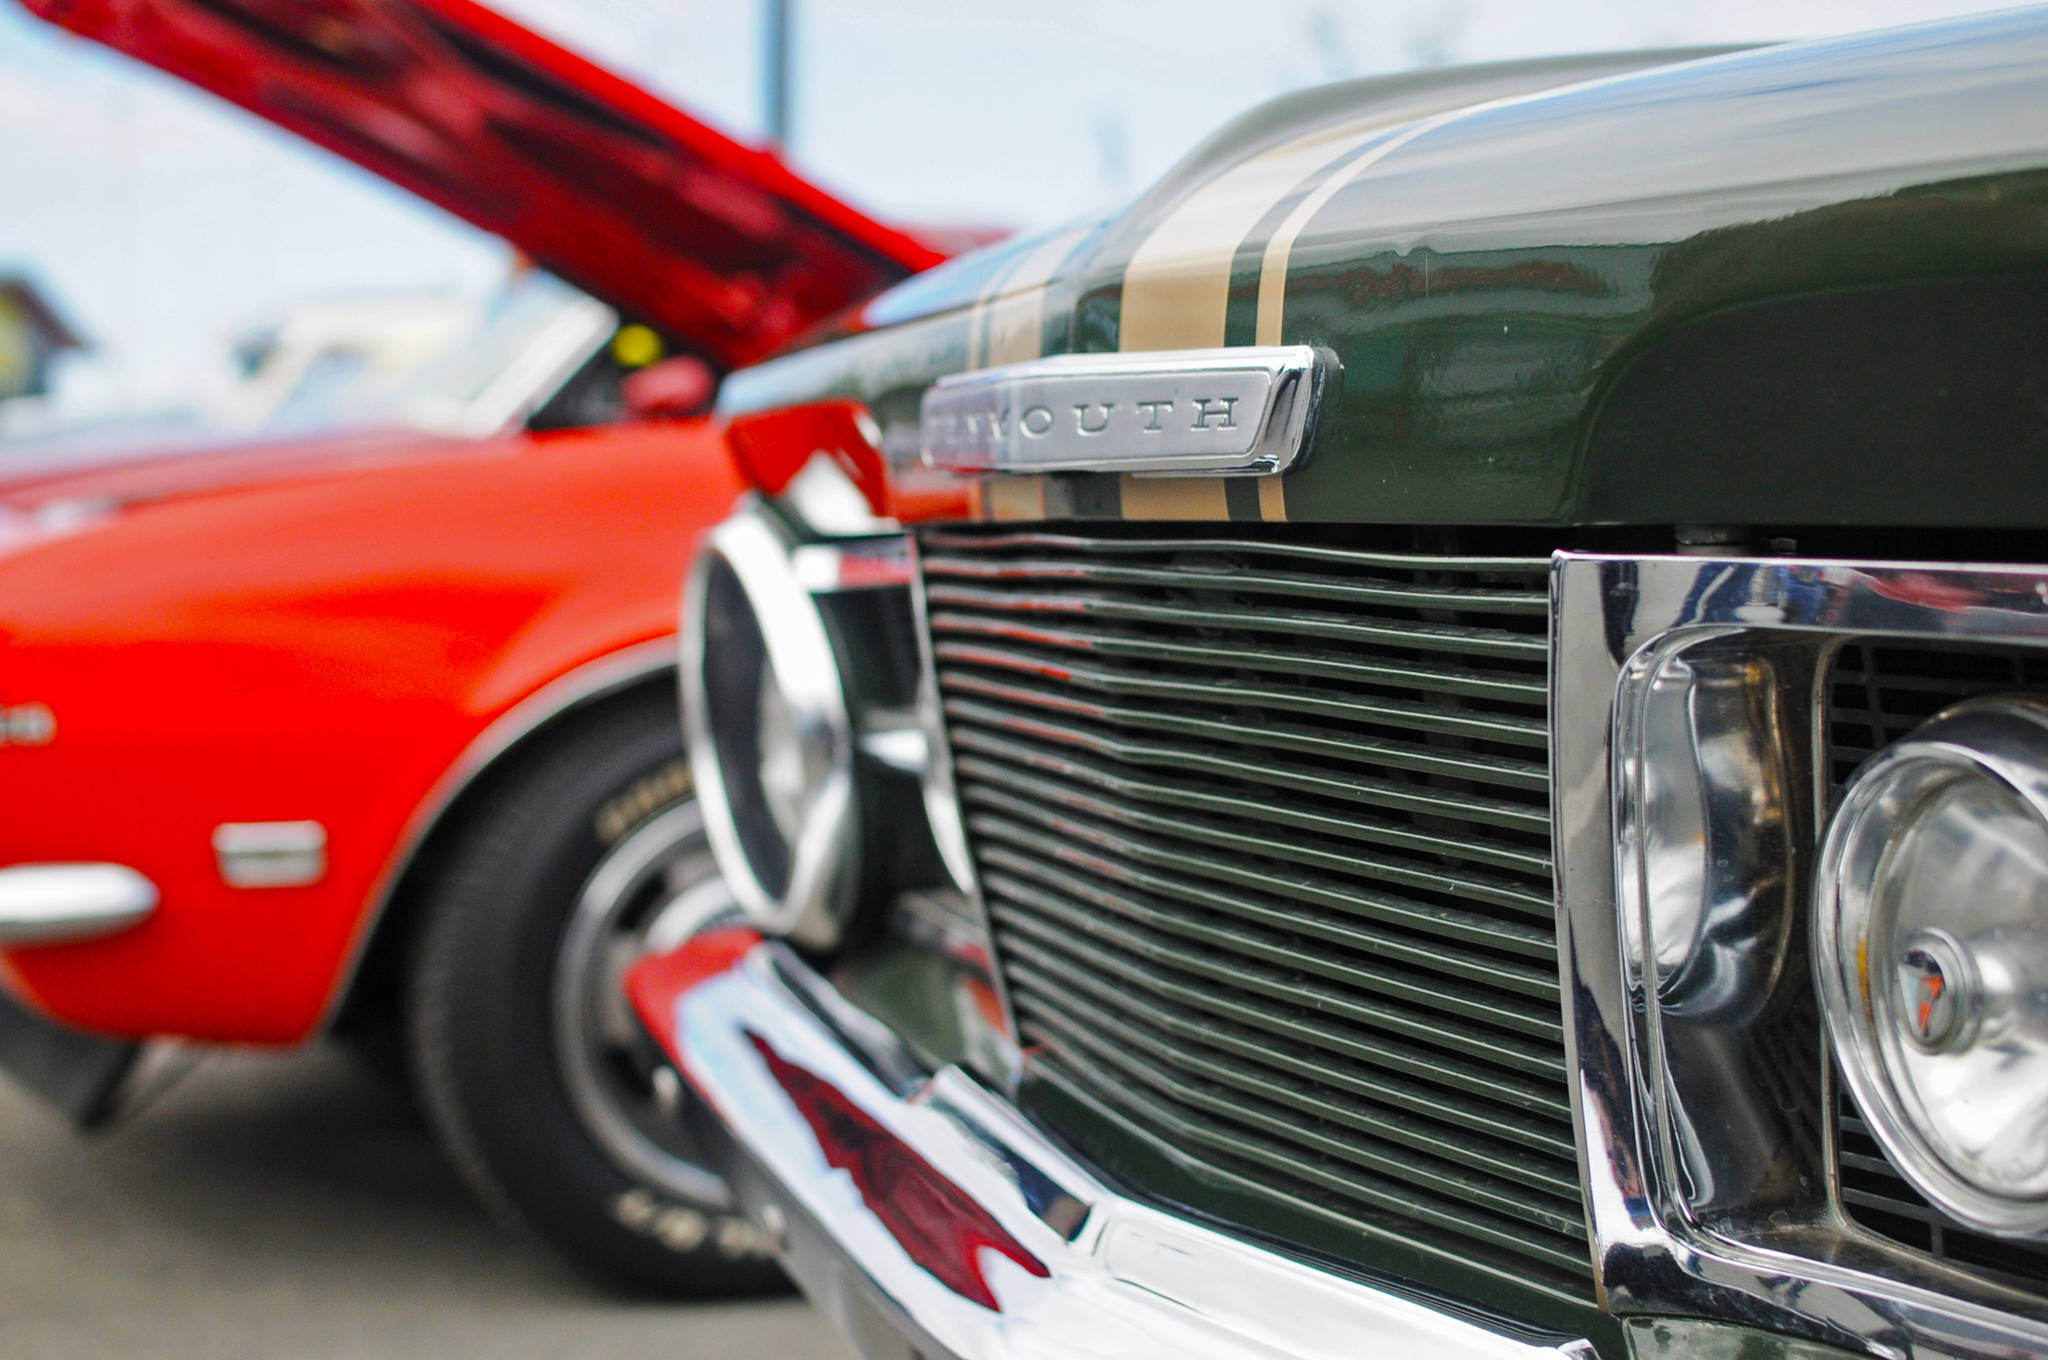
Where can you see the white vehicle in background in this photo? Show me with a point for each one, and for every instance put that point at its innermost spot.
(536, 354)
(352, 348)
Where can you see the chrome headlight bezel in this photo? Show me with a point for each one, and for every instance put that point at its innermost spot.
(749, 621)
(1996, 745)
(830, 625)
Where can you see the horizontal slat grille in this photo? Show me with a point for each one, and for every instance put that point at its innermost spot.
(1263, 828)
(1876, 695)
(1877, 1196)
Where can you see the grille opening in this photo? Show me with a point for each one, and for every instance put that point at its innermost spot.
(1263, 826)
(1877, 1196)
(1877, 694)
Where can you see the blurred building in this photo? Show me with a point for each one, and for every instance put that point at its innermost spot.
(315, 364)
(32, 335)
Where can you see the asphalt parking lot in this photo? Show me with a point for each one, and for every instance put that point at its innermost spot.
(295, 1207)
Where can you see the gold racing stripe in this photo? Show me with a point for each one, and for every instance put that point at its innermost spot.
(1016, 327)
(1176, 292)
(1176, 288)
(1008, 322)
(1173, 497)
(1176, 295)
(1279, 250)
(1013, 498)
(1006, 326)
(1272, 499)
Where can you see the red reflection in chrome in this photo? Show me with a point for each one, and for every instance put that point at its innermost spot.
(653, 984)
(936, 1222)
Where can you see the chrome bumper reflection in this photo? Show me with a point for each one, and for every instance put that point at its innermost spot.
(917, 1208)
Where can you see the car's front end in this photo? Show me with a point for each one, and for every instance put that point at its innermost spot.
(1427, 742)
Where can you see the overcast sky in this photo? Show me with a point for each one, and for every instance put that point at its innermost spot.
(163, 221)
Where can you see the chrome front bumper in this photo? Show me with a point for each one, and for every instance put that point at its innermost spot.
(917, 1209)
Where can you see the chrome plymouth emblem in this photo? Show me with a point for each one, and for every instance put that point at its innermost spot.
(1201, 411)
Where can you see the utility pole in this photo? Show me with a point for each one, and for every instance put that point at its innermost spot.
(778, 40)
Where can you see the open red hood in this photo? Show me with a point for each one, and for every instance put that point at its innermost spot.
(599, 181)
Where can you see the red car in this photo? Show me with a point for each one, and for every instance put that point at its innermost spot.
(376, 735)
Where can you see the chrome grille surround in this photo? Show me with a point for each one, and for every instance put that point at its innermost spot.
(1261, 825)
(1667, 1237)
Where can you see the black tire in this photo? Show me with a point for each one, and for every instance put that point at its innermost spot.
(489, 991)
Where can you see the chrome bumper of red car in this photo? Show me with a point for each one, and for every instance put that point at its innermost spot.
(916, 1208)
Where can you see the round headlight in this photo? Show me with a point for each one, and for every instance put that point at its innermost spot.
(771, 739)
(1931, 944)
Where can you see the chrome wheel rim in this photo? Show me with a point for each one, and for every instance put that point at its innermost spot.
(654, 889)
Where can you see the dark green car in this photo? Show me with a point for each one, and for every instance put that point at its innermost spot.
(1432, 740)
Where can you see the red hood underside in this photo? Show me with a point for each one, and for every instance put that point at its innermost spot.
(607, 186)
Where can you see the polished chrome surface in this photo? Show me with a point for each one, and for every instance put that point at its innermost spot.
(1695, 1339)
(918, 1209)
(270, 854)
(652, 891)
(1702, 1114)
(51, 903)
(757, 630)
(1943, 1035)
(1715, 825)
(1197, 411)
(806, 743)
(1718, 819)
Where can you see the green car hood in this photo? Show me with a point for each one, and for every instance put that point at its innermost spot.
(1803, 284)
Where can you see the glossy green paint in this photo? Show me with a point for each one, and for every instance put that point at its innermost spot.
(1531, 298)
(914, 990)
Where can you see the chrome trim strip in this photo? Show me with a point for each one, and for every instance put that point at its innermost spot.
(270, 854)
(1616, 623)
(53, 903)
(592, 680)
(917, 1207)
(1188, 412)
